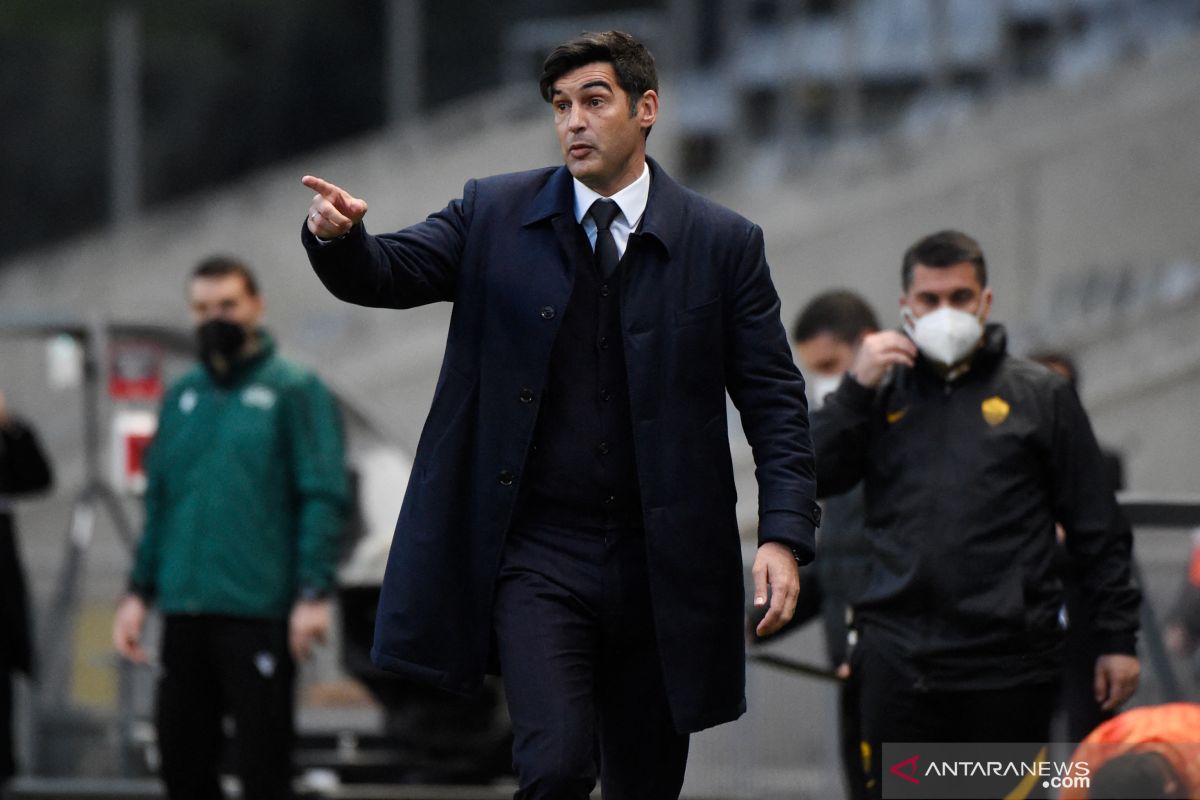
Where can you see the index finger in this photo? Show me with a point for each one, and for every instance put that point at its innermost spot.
(322, 187)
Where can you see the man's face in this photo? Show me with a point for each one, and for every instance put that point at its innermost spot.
(225, 297)
(956, 286)
(825, 355)
(603, 145)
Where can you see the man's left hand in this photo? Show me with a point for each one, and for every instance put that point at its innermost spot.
(1116, 679)
(775, 567)
(309, 623)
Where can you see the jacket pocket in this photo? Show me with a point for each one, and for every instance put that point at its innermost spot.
(700, 313)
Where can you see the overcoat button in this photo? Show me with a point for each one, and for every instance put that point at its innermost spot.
(547, 312)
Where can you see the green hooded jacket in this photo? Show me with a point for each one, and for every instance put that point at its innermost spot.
(246, 491)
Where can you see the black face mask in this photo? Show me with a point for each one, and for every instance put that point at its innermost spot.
(218, 343)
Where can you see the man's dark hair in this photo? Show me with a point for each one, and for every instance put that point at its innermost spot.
(1142, 773)
(841, 313)
(943, 249)
(1056, 359)
(636, 73)
(220, 266)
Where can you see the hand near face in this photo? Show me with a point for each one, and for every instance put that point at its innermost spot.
(333, 211)
(878, 353)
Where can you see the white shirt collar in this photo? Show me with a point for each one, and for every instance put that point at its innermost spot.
(631, 200)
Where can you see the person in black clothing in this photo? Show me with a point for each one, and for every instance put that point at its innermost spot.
(1183, 622)
(23, 470)
(969, 456)
(1076, 700)
(825, 337)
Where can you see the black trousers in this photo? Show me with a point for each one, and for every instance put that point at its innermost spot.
(1077, 699)
(850, 738)
(894, 711)
(217, 666)
(581, 668)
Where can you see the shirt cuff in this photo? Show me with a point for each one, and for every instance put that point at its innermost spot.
(793, 530)
(317, 241)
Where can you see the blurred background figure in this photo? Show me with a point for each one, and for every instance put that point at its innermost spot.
(1144, 774)
(1152, 752)
(1064, 364)
(1076, 699)
(24, 469)
(245, 499)
(1183, 626)
(826, 335)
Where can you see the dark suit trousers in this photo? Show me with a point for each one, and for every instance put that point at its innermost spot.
(581, 667)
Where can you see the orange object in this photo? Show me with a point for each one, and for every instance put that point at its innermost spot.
(1172, 730)
(1194, 567)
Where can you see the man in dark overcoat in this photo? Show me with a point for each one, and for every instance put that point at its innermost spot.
(571, 507)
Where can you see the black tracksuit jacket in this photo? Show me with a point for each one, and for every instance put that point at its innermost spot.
(964, 483)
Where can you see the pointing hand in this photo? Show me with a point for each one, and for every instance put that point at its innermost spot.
(333, 211)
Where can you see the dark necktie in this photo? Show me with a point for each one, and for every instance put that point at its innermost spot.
(603, 212)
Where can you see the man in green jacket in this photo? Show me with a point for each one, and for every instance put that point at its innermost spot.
(246, 494)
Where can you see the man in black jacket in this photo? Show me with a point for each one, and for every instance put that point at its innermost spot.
(968, 457)
(23, 469)
(825, 337)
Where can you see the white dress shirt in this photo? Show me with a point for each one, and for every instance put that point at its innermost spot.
(631, 200)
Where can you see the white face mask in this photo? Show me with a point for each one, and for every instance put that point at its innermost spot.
(821, 386)
(946, 335)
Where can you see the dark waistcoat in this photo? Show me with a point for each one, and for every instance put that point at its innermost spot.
(581, 470)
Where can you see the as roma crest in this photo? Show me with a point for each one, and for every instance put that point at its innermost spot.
(995, 411)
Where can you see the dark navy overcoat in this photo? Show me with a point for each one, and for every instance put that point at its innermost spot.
(699, 317)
